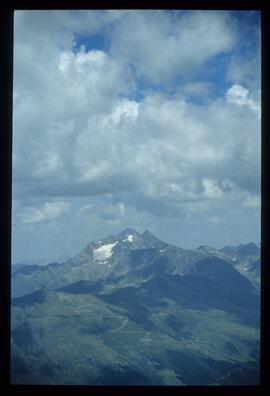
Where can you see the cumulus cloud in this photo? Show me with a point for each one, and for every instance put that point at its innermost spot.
(141, 121)
(211, 189)
(48, 211)
(164, 148)
(240, 96)
(162, 45)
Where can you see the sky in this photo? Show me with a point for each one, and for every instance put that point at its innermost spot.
(149, 119)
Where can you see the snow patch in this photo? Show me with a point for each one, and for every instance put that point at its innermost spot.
(104, 252)
(130, 238)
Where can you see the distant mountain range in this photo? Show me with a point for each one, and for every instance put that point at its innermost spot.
(132, 309)
(130, 255)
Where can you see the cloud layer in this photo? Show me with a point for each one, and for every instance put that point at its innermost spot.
(122, 114)
(48, 211)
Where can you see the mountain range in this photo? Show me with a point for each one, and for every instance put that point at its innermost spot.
(131, 309)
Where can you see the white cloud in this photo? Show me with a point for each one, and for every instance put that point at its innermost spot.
(252, 201)
(80, 129)
(161, 46)
(85, 208)
(125, 110)
(82, 63)
(237, 95)
(211, 189)
(48, 211)
(47, 165)
(240, 96)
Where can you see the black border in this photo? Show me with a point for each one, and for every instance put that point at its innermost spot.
(265, 192)
(6, 74)
(7, 8)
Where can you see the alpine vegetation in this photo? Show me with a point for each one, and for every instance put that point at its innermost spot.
(131, 309)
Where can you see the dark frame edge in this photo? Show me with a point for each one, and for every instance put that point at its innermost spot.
(265, 199)
(6, 73)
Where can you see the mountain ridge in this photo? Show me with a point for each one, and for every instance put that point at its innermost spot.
(131, 309)
(115, 255)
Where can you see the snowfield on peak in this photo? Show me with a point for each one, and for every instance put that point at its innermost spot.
(104, 252)
(130, 238)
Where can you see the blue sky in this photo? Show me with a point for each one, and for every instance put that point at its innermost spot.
(142, 119)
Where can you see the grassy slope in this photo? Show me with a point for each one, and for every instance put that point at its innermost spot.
(61, 338)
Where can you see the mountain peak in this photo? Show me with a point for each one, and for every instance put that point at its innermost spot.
(148, 233)
(151, 240)
(249, 249)
(128, 231)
